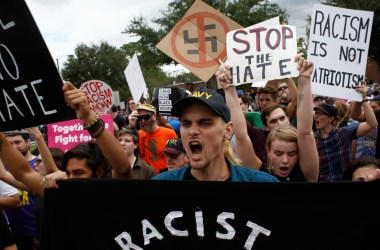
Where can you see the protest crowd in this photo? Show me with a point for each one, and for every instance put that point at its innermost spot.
(280, 132)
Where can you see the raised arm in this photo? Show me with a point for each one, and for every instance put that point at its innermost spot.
(291, 109)
(243, 143)
(19, 167)
(110, 146)
(45, 153)
(370, 117)
(307, 149)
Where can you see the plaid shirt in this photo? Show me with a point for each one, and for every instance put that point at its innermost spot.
(334, 152)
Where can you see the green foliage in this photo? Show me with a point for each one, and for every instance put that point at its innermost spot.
(244, 12)
(98, 62)
(107, 63)
(303, 42)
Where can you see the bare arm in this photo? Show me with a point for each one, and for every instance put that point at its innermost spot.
(370, 120)
(356, 112)
(46, 156)
(307, 148)
(293, 92)
(370, 117)
(9, 202)
(7, 177)
(110, 146)
(19, 167)
(243, 143)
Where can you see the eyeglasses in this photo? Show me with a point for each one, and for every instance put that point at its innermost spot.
(145, 117)
(131, 103)
(282, 88)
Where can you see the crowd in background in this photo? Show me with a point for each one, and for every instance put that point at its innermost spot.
(277, 133)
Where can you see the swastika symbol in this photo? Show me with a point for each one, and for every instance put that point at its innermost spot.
(199, 42)
(212, 39)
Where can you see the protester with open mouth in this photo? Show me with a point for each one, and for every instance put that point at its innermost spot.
(334, 144)
(206, 128)
(292, 154)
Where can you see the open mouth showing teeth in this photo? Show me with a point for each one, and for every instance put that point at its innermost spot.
(195, 148)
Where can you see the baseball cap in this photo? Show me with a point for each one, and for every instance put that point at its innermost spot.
(174, 146)
(327, 109)
(206, 96)
(147, 107)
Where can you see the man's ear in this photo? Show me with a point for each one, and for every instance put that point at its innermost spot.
(229, 131)
(99, 172)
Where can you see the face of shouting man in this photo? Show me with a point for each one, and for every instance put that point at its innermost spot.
(203, 133)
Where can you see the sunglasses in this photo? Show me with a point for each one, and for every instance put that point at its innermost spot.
(282, 88)
(144, 117)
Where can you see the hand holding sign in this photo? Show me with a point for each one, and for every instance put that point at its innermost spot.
(363, 89)
(223, 75)
(303, 66)
(76, 99)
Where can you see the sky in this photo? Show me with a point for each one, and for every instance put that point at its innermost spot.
(66, 23)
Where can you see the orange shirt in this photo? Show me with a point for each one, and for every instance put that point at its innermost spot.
(152, 144)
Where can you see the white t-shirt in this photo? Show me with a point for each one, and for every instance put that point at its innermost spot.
(6, 190)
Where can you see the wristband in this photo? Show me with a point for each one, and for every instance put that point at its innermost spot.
(97, 134)
(94, 126)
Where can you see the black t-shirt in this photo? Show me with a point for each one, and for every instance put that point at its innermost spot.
(120, 121)
(258, 138)
(295, 176)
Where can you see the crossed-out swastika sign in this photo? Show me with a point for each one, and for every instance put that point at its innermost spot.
(202, 49)
(199, 39)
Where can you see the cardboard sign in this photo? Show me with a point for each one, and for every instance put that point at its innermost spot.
(99, 96)
(198, 41)
(31, 87)
(164, 99)
(262, 53)
(338, 46)
(65, 135)
(210, 215)
(135, 79)
(259, 84)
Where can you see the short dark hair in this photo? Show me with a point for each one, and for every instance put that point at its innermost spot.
(92, 153)
(360, 162)
(133, 132)
(57, 155)
(114, 108)
(24, 135)
(244, 98)
(268, 90)
(268, 109)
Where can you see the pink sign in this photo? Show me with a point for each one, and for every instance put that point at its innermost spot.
(99, 96)
(65, 135)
